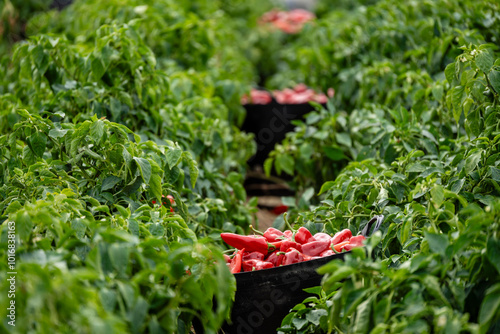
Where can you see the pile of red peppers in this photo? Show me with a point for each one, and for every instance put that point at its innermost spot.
(275, 248)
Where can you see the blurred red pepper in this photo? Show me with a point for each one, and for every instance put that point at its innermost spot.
(227, 258)
(278, 210)
(253, 256)
(303, 236)
(251, 265)
(328, 252)
(343, 235)
(250, 242)
(356, 241)
(314, 248)
(273, 235)
(338, 247)
(322, 237)
(293, 256)
(287, 244)
(288, 234)
(235, 265)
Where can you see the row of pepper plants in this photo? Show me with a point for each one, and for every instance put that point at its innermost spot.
(413, 134)
(108, 110)
(109, 107)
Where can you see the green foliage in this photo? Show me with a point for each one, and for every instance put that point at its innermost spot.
(430, 165)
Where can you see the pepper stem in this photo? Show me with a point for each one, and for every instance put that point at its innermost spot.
(287, 224)
(255, 230)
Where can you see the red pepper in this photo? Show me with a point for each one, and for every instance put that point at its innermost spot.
(235, 265)
(273, 235)
(252, 265)
(328, 252)
(275, 258)
(253, 256)
(303, 236)
(172, 202)
(343, 235)
(278, 210)
(315, 247)
(293, 256)
(249, 242)
(227, 258)
(322, 237)
(288, 234)
(338, 247)
(287, 244)
(356, 241)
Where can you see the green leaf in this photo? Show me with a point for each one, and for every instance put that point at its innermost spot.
(193, 171)
(268, 165)
(437, 195)
(484, 60)
(495, 173)
(137, 314)
(431, 283)
(155, 186)
(40, 58)
(38, 143)
(108, 299)
(115, 107)
(457, 96)
(449, 72)
(334, 153)
(57, 133)
(299, 323)
(495, 80)
(493, 252)
(97, 131)
(437, 242)
(472, 161)
(286, 163)
(24, 225)
(326, 186)
(144, 168)
(363, 317)
(344, 139)
(173, 157)
(490, 306)
(109, 182)
(97, 68)
(124, 212)
(315, 315)
(119, 256)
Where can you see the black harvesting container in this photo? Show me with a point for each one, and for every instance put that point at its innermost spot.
(264, 297)
(270, 123)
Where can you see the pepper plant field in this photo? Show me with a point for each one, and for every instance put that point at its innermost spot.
(108, 107)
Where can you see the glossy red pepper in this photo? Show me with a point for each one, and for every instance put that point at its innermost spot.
(253, 256)
(249, 242)
(322, 237)
(343, 235)
(273, 235)
(314, 248)
(235, 265)
(293, 256)
(288, 234)
(338, 247)
(252, 265)
(275, 258)
(328, 252)
(287, 244)
(356, 241)
(303, 236)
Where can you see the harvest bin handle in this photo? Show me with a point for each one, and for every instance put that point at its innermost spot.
(378, 220)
